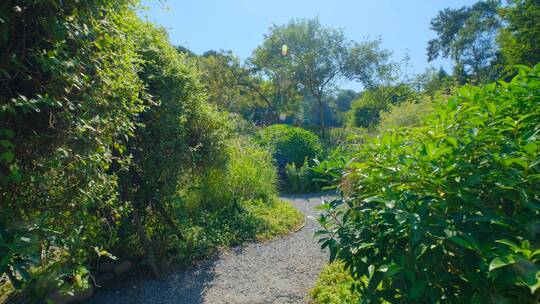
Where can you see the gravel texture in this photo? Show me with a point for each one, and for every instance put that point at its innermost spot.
(279, 271)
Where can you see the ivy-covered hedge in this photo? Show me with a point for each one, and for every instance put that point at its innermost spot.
(451, 211)
(69, 93)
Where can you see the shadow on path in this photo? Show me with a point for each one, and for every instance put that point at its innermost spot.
(279, 271)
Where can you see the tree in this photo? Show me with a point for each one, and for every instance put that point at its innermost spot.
(184, 50)
(365, 111)
(433, 81)
(317, 58)
(241, 88)
(344, 99)
(281, 88)
(176, 134)
(218, 73)
(468, 36)
(520, 39)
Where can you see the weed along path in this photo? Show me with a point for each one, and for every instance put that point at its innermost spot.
(279, 271)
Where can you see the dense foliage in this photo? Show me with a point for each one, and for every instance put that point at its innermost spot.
(301, 179)
(410, 113)
(366, 111)
(467, 36)
(114, 144)
(334, 286)
(520, 39)
(319, 57)
(486, 39)
(290, 145)
(109, 149)
(449, 211)
(69, 94)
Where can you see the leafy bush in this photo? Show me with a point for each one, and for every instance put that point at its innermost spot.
(226, 204)
(207, 232)
(249, 174)
(337, 137)
(288, 220)
(365, 111)
(69, 90)
(410, 113)
(449, 212)
(289, 144)
(301, 179)
(105, 136)
(178, 138)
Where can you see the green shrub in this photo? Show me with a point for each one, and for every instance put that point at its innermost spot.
(277, 217)
(334, 286)
(289, 144)
(249, 174)
(69, 95)
(226, 204)
(207, 232)
(178, 139)
(106, 136)
(449, 212)
(300, 179)
(365, 111)
(410, 113)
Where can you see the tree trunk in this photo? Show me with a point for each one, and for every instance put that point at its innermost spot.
(145, 243)
(321, 116)
(169, 220)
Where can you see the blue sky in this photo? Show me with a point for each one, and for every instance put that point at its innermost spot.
(240, 25)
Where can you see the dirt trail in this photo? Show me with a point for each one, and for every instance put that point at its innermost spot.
(280, 271)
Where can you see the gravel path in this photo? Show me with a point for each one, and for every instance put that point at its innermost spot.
(280, 271)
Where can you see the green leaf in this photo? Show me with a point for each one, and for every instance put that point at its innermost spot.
(501, 262)
(452, 140)
(462, 242)
(390, 270)
(508, 243)
(530, 148)
(417, 290)
(534, 287)
(6, 144)
(513, 160)
(8, 156)
(491, 107)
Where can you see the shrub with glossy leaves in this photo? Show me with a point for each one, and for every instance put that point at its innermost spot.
(449, 212)
(289, 144)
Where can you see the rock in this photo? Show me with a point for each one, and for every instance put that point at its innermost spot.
(122, 267)
(104, 277)
(107, 266)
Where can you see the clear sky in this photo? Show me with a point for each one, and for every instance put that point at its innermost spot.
(240, 25)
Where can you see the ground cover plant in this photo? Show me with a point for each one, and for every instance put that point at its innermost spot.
(334, 286)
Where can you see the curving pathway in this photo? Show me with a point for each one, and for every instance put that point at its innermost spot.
(279, 271)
